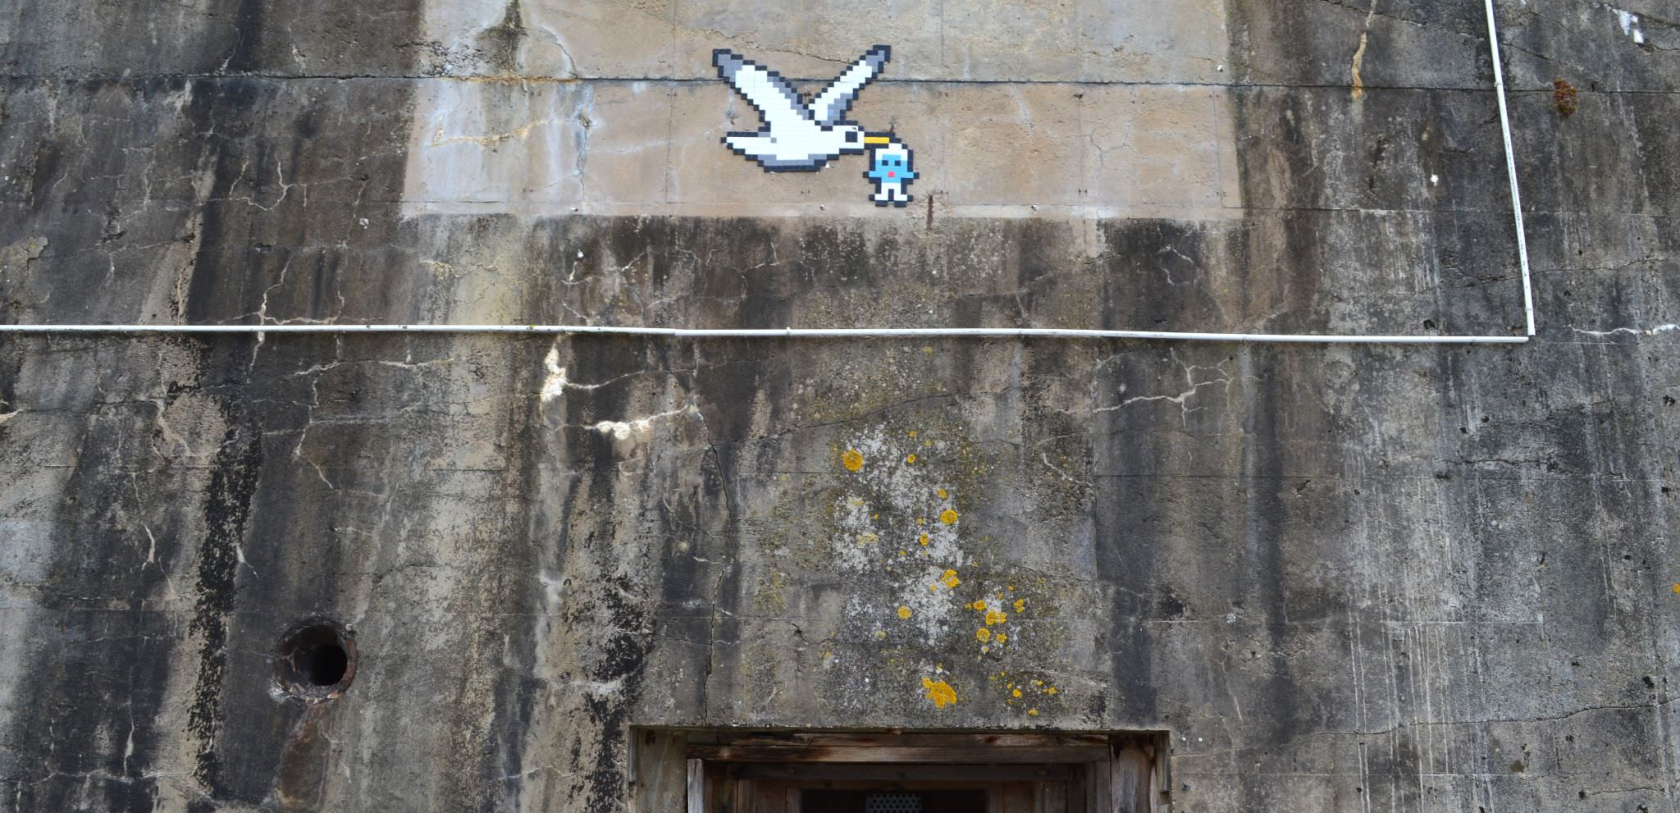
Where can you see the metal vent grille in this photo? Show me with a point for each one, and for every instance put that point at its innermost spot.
(893, 803)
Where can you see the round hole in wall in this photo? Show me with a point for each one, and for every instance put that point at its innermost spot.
(316, 660)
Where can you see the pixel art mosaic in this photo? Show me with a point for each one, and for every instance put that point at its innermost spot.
(800, 136)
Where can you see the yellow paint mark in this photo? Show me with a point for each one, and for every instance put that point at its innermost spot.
(940, 693)
(950, 579)
(1020, 604)
(904, 613)
(979, 606)
(948, 516)
(943, 494)
(852, 460)
(923, 539)
(1016, 693)
(995, 617)
(910, 461)
(983, 634)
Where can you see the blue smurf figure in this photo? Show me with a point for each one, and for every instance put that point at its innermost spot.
(890, 168)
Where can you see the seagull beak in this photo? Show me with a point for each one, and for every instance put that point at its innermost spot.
(876, 139)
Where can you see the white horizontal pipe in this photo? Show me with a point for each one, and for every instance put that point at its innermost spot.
(785, 333)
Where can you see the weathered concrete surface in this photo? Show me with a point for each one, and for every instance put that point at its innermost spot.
(1343, 578)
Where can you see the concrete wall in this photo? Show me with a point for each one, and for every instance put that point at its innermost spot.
(1376, 578)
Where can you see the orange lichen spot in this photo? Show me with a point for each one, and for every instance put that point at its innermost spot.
(910, 461)
(983, 634)
(1016, 693)
(943, 494)
(995, 617)
(950, 579)
(924, 540)
(904, 613)
(948, 516)
(939, 692)
(1020, 604)
(852, 459)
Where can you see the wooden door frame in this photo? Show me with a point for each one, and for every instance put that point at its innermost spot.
(1122, 772)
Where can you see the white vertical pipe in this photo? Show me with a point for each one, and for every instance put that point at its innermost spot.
(1510, 164)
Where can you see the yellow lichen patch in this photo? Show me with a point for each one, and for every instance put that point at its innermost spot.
(1020, 604)
(1051, 690)
(950, 579)
(948, 516)
(979, 606)
(910, 461)
(1015, 693)
(852, 459)
(995, 617)
(924, 540)
(1032, 712)
(904, 613)
(943, 494)
(1037, 682)
(912, 433)
(983, 634)
(1677, 589)
(1001, 638)
(940, 693)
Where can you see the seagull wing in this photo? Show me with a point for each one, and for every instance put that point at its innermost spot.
(831, 104)
(769, 93)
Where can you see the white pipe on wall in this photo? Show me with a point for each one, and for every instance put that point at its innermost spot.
(892, 333)
(780, 333)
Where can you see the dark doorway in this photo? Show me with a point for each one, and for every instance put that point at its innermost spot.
(892, 801)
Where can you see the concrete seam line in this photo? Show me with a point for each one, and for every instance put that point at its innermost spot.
(885, 333)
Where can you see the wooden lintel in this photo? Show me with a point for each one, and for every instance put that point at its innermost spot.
(992, 755)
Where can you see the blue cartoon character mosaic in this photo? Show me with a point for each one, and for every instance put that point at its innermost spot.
(890, 168)
(800, 135)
